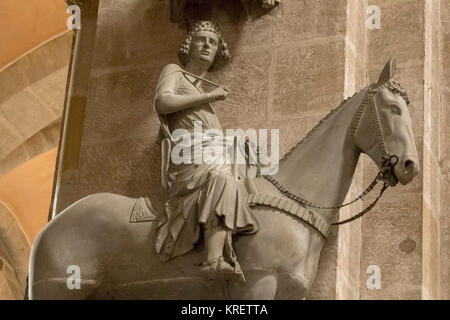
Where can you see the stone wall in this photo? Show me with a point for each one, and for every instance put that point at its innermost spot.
(444, 157)
(392, 232)
(405, 235)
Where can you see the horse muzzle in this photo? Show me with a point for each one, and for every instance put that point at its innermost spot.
(406, 169)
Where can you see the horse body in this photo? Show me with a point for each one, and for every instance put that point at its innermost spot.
(117, 259)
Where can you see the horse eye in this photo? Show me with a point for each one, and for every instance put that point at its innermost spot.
(395, 109)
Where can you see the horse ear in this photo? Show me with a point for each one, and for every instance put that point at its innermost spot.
(388, 71)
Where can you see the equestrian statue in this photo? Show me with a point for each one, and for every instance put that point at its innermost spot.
(217, 232)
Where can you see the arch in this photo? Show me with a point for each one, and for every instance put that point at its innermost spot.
(32, 92)
(28, 23)
(14, 256)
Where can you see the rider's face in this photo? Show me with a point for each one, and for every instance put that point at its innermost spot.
(204, 46)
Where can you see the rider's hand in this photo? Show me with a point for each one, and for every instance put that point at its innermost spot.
(217, 94)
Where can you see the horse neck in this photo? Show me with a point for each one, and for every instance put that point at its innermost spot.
(325, 161)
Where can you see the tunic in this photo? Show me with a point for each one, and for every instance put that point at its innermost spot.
(197, 191)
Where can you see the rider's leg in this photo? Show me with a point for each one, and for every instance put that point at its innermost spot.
(214, 243)
(215, 236)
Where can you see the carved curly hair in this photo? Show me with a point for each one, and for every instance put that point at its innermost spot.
(222, 55)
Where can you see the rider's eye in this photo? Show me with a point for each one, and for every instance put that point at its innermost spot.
(395, 109)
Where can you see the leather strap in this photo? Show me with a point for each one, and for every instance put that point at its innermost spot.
(292, 208)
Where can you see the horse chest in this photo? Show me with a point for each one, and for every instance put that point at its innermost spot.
(283, 243)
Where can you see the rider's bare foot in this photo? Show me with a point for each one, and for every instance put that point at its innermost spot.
(217, 269)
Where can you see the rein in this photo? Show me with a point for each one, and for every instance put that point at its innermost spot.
(202, 79)
(386, 171)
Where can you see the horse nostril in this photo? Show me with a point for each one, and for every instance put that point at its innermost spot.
(409, 166)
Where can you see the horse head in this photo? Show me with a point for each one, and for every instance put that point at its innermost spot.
(382, 129)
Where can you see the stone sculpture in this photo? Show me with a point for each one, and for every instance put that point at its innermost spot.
(202, 195)
(116, 258)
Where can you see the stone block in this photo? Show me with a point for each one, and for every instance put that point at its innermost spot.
(47, 59)
(393, 242)
(445, 120)
(121, 105)
(356, 29)
(432, 181)
(129, 167)
(247, 79)
(355, 71)
(445, 15)
(51, 134)
(51, 90)
(26, 114)
(308, 79)
(348, 261)
(401, 33)
(42, 141)
(251, 36)
(445, 43)
(12, 81)
(444, 227)
(430, 254)
(135, 34)
(306, 19)
(10, 137)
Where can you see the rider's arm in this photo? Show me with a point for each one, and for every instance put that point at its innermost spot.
(166, 101)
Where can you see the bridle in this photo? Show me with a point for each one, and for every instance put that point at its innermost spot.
(388, 160)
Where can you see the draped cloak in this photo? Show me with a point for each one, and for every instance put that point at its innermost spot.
(197, 190)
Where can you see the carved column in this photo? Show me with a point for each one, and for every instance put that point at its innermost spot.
(65, 184)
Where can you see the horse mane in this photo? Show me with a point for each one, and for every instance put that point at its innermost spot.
(318, 125)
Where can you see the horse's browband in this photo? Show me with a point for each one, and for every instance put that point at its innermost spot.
(292, 208)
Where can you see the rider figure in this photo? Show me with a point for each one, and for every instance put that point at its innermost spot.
(203, 198)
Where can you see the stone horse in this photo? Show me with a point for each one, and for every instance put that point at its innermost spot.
(117, 259)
